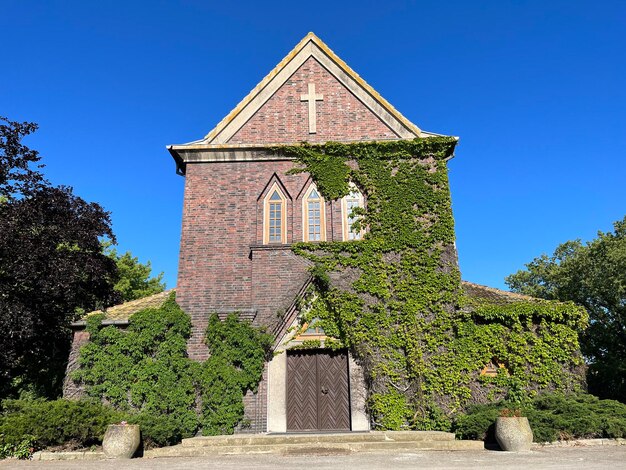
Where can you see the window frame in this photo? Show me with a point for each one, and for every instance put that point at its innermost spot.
(266, 216)
(305, 215)
(345, 214)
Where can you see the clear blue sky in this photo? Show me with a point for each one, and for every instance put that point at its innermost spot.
(536, 90)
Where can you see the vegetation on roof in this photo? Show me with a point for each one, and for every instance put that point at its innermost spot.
(123, 312)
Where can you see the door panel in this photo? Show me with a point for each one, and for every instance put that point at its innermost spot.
(301, 392)
(333, 399)
(318, 395)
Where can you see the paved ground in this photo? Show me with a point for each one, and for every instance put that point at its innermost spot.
(589, 458)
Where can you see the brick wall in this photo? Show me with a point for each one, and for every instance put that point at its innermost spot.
(255, 409)
(223, 264)
(72, 390)
(340, 115)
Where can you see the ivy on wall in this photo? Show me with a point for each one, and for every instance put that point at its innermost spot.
(395, 297)
(145, 371)
(238, 355)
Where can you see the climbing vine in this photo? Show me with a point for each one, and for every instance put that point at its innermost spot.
(238, 354)
(395, 299)
(144, 371)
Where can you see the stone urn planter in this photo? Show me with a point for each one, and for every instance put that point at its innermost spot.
(514, 433)
(121, 441)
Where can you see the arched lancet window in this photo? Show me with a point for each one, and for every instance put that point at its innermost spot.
(348, 204)
(314, 216)
(275, 216)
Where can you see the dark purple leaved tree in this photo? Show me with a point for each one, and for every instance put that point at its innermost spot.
(52, 267)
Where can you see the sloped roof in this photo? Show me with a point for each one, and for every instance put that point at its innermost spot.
(477, 291)
(309, 46)
(119, 314)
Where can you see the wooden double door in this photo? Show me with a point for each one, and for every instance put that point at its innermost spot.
(318, 392)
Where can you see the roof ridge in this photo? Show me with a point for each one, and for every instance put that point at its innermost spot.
(142, 299)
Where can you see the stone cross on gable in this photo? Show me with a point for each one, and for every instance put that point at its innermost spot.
(311, 97)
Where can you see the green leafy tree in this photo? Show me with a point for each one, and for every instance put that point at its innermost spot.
(594, 276)
(134, 280)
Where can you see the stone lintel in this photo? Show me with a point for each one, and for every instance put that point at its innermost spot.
(242, 313)
(83, 323)
(207, 155)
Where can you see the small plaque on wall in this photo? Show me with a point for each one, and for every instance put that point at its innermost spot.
(491, 369)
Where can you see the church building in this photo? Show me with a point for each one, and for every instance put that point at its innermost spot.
(243, 210)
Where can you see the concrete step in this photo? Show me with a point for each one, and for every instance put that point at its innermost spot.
(314, 444)
(271, 439)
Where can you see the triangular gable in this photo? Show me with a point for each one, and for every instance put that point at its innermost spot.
(310, 47)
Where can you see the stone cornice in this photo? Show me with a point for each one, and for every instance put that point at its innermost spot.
(216, 153)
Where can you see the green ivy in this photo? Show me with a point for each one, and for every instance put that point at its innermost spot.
(21, 450)
(145, 372)
(395, 297)
(327, 343)
(238, 354)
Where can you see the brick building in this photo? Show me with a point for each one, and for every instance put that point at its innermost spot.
(242, 211)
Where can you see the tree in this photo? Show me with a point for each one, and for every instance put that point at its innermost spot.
(51, 267)
(594, 276)
(134, 277)
(17, 177)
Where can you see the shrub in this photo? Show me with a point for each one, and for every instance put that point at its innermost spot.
(21, 450)
(556, 416)
(49, 423)
(158, 429)
(552, 416)
(478, 422)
